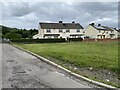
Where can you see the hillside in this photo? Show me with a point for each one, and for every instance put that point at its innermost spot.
(15, 33)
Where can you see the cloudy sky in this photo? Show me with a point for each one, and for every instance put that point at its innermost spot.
(29, 14)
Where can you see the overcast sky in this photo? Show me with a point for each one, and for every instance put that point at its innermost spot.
(29, 14)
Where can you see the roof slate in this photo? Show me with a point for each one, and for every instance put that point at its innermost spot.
(60, 26)
(108, 28)
(102, 28)
(99, 27)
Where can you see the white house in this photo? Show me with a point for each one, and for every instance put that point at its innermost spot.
(119, 33)
(100, 32)
(59, 30)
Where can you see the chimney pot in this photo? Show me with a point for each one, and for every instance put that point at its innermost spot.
(60, 21)
(92, 24)
(99, 25)
(73, 21)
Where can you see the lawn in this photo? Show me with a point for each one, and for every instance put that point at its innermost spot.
(99, 55)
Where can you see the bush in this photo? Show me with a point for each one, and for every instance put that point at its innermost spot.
(12, 36)
(54, 40)
(75, 39)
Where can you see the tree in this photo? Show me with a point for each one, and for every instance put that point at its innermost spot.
(5, 30)
(25, 34)
(12, 36)
(32, 32)
(0, 35)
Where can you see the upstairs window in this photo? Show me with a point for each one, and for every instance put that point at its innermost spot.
(78, 30)
(99, 31)
(60, 30)
(67, 30)
(48, 30)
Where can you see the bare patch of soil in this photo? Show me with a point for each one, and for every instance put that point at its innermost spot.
(101, 75)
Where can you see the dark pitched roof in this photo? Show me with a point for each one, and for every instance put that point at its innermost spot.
(99, 27)
(118, 30)
(102, 28)
(60, 26)
(108, 28)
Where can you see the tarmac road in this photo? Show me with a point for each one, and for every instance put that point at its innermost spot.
(0, 66)
(22, 70)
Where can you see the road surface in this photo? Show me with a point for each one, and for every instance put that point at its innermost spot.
(0, 66)
(22, 70)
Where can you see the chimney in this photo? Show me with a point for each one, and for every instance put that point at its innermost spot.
(60, 21)
(73, 22)
(99, 25)
(115, 28)
(92, 24)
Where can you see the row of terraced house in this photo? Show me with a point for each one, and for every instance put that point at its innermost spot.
(75, 30)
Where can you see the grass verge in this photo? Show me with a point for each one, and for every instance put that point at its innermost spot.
(102, 57)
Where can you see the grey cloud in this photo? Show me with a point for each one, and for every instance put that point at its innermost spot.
(20, 9)
(97, 6)
(83, 12)
(16, 9)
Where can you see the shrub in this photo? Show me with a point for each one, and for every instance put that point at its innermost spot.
(54, 40)
(75, 39)
(12, 36)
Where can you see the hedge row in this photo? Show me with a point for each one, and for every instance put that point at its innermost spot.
(39, 40)
(75, 39)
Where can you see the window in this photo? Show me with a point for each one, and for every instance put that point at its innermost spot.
(48, 30)
(49, 37)
(99, 31)
(67, 30)
(60, 30)
(78, 30)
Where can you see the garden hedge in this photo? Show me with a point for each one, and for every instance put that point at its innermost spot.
(54, 40)
(75, 39)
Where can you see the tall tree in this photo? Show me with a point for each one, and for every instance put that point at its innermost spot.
(12, 36)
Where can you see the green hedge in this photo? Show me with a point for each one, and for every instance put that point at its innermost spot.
(54, 40)
(75, 39)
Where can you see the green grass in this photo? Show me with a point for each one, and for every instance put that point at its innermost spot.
(82, 54)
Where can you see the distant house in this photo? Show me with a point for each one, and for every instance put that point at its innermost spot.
(119, 33)
(100, 32)
(59, 30)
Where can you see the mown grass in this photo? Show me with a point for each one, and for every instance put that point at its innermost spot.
(100, 55)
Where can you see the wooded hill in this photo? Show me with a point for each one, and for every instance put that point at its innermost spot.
(15, 33)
